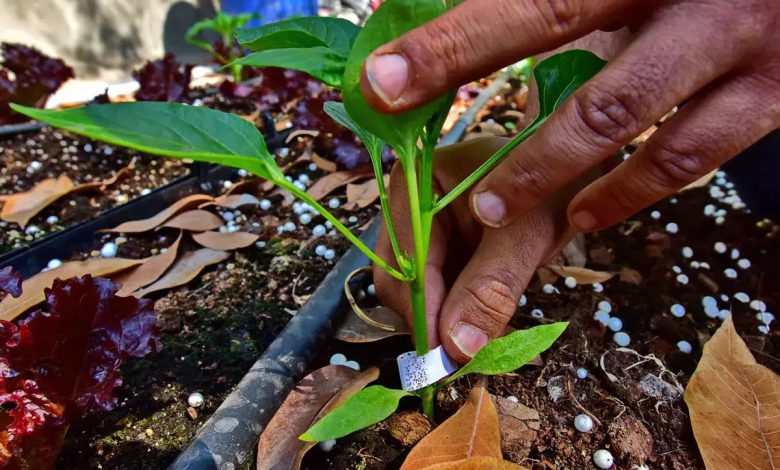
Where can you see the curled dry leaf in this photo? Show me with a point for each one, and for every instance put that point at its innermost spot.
(301, 132)
(333, 181)
(196, 220)
(315, 395)
(363, 194)
(185, 269)
(472, 431)
(582, 275)
(33, 288)
(144, 225)
(234, 201)
(477, 463)
(324, 165)
(630, 276)
(355, 330)
(148, 272)
(734, 405)
(225, 241)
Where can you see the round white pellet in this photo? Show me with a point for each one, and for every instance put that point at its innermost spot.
(655, 215)
(318, 230)
(758, 305)
(243, 173)
(195, 399)
(338, 359)
(606, 306)
(765, 317)
(352, 365)
(720, 220)
(734, 253)
(676, 269)
(598, 287)
(536, 313)
(289, 226)
(371, 289)
(711, 311)
(602, 316)
(108, 250)
(328, 445)
(52, 219)
(334, 203)
(684, 346)
(603, 459)
(742, 297)
(672, 228)
(704, 265)
(312, 167)
(320, 250)
(265, 204)
(513, 399)
(304, 178)
(549, 289)
(352, 219)
(87, 147)
(54, 264)
(730, 273)
(687, 252)
(329, 254)
(677, 310)
(570, 282)
(723, 314)
(615, 324)
(583, 423)
(621, 339)
(763, 329)
(709, 300)
(720, 247)
(328, 224)
(260, 244)
(523, 301)
(682, 279)
(305, 219)
(582, 373)
(299, 185)
(709, 209)
(695, 264)
(744, 263)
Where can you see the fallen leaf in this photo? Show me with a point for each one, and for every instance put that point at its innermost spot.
(734, 405)
(225, 241)
(519, 425)
(364, 194)
(185, 269)
(408, 427)
(196, 220)
(33, 288)
(101, 185)
(300, 132)
(315, 395)
(701, 182)
(324, 165)
(630, 276)
(472, 431)
(234, 201)
(582, 275)
(148, 272)
(355, 330)
(333, 181)
(477, 463)
(144, 225)
(19, 208)
(247, 185)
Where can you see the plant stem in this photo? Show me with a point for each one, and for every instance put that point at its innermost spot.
(302, 195)
(426, 394)
(375, 151)
(418, 284)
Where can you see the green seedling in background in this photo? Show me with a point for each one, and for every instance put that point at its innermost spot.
(226, 26)
(334, 51)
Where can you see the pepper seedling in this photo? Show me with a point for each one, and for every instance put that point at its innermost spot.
(333, 51)
(226, 51)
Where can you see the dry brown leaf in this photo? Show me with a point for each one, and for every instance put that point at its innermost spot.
(32, 289)
(364, 194)
(472, 431)
(734, 405)
(477, 463)
(324, 165)
(701, 182)
(355, 330)
(21, 207)
(630, 276)
(315, 395)
(185, 269)
(519, 425)
(225, 241)
(144, 225)
(101, 185)
(333, 181)
(582, 275)
(248, 186)
(234, 201)
(196, 220)
(149, 271)
(300, 132)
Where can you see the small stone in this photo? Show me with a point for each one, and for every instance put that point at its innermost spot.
(108, 250)
(621, 339)
(334, 203)
(684, 346)
(598, 287)
(328, 445)
(687, 252)
(570, 282)
(582, 373)
(730, 273)
(265, 204)
(655, 215)
(615, 324)
(603, 459)
(605, 306)
(338, 359)
(319, 230)
(720, 247)
(195, 400)
(556, 388)
(677, 310)
(583, 423)
(523, 301)
(672, 228)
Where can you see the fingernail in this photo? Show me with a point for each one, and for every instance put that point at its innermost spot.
(583, 221)
(468, 338)
(490, 208)
(388, 75)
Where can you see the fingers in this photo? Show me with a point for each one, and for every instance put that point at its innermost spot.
(662, 67)
(707, 132)
(472, 40)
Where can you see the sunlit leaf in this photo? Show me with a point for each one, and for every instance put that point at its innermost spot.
(334, 33)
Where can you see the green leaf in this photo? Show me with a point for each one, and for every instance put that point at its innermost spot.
(169, 130)
(319, 62)
(560, 75)
(512, 351)
(391, 20)
(223, 24)
(339, 114)
(306, 32)
(369, 406)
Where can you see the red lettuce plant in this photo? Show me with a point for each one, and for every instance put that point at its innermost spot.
(163, 80)
(57, 365)
(27, 76)
(11, 281)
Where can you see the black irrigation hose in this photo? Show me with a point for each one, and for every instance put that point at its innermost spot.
(228, 439)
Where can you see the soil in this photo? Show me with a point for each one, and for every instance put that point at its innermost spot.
(28, 158)
(633, 392)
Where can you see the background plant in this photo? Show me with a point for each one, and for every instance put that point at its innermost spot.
(224, 51)
(334, 51)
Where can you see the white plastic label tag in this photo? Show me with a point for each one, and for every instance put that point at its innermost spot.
(420, 371)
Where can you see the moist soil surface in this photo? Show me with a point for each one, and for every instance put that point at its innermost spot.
(633, 392)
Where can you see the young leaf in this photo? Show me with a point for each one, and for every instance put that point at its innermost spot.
(320, 62)
(512, 351)
(333, 33)
(560, 75)
(369, 406)
(391, 20)
(169, 130)
(338, 113)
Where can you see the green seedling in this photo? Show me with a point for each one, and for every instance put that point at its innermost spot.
(226, 26)
(334, 51)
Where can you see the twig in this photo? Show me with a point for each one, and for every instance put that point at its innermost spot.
(585, 410)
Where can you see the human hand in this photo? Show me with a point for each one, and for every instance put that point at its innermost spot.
(722, 56)
(474, 276)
